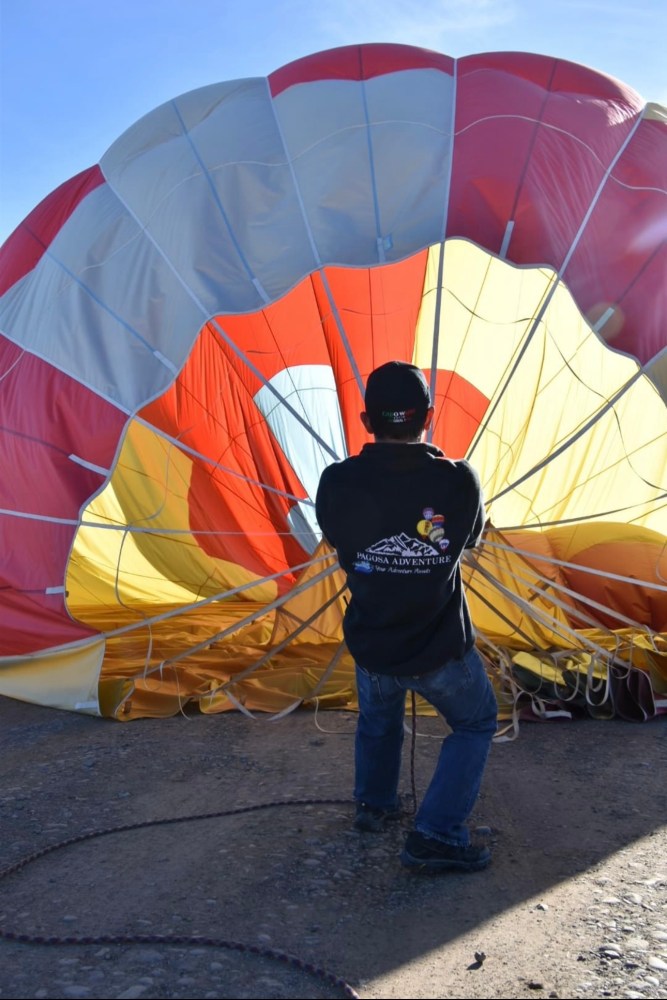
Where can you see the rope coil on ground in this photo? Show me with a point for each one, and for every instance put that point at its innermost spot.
(286, 958)
(195, 940)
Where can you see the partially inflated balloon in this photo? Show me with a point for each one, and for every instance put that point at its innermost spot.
(186, 332)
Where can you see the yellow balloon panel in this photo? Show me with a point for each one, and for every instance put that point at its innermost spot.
(573, 430)
(135, 548)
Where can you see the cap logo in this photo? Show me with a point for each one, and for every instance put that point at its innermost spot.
(398, 416)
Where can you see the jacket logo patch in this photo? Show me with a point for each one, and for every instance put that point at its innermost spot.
(399, 554)
(432, 526)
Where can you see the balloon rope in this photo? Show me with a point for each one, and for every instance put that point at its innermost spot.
(608, 173)
(341, 330)
(436, 332)
(218, 465)
(628, 453)
(558, 278)
(502, 659)
(453, 362)
(213, 324)
(547, 620)
(510, 371)
(583, 518)
(188, 136)
(134, 529)
(572, 438)
(221, 596)
(298, 702)
(296, 392)
(571, 565)
(591, 686)
(305, 219)
(516, 629)
(541, 617)
(249, 619)
(572, 612)
(14, 363)
(274, 650)
(449, 159)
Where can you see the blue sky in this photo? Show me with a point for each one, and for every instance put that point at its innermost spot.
(74, 74)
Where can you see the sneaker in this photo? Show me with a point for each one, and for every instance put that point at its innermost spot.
(372, 819)
(433, 855)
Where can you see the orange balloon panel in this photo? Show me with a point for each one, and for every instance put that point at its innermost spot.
(209, 410)
(619, 566)
(613, 550)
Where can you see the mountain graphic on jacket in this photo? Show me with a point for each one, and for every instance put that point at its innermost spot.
(400, 545)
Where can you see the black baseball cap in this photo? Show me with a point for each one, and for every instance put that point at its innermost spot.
(397, 398)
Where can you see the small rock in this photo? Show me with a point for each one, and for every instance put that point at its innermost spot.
(149, 955)
(657, 963)
(132, 992)
(542, 906)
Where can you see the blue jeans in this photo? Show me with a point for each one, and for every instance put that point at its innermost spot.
(462, 693)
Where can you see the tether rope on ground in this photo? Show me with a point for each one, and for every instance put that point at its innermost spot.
(261, 951)
(286, 958)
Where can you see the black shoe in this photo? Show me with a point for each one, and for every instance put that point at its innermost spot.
(372, 819)
(433, 855)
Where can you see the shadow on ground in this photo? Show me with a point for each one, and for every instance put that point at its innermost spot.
(561, 801)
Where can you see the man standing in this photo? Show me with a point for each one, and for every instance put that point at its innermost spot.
(399, 515)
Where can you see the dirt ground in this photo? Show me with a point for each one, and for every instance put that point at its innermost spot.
(573, 905)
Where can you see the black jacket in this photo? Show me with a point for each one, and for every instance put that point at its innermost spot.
(399, 516)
